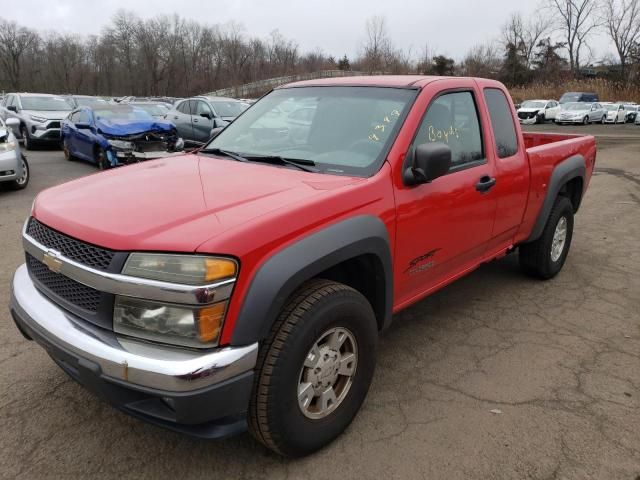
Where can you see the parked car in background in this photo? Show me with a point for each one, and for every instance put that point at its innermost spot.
(246, 285)
(14, 168)
(615, 113)
(538, 111)
(77, 101)
(580, 112)
(155, 109)
(195, 118)
(631, 112)
(117, 134)
(571, 97)
(40, 115)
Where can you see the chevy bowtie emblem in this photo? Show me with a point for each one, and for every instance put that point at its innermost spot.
(51, 259)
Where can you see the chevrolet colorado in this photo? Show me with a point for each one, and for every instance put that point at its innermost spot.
(248, 286)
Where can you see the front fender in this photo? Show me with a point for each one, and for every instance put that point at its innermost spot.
(284, 272)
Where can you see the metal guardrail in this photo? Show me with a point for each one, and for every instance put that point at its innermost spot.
(260, 87)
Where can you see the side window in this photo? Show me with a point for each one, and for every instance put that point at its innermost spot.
(75, 117)
(203, 108)
(84, 117)
(193, 107)
(452, 119)
(502, 122)
(184, 108)
(12, 100)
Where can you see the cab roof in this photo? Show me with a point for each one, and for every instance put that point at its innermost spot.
(396, 81)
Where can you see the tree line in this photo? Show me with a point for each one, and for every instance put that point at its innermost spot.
(173, 56)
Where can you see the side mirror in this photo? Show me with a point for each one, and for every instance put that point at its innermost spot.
(13, 108)
(430, 161)
(12, 122)
(215, 132)
(83, 126)
(206, 115)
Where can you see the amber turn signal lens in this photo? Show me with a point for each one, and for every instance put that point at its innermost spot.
(210, 321)
(217, 269)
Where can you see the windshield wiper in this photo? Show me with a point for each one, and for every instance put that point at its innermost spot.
(302, 164)
(226, 153)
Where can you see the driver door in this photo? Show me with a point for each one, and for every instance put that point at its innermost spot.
(444, 227)
(202, 121)
(84, 137)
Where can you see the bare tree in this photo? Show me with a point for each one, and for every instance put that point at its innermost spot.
(577, 19)
(622, 19)
(524, 36)
(482, 61)
(377, 44)
(15, 41)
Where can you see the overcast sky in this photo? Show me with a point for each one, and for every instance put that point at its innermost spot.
(450, 27)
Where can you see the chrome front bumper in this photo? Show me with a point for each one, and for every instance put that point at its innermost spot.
(126, 361)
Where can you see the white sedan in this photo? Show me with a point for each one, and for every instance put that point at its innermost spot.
(538, 111)
(615, 113)
(581, 112)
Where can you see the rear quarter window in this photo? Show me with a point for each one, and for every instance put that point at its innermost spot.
(504, 129)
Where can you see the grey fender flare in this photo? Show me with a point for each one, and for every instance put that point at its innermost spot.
(565, 171)
(286, 270)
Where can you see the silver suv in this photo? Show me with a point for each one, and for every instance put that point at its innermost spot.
(39, 114)
(14, 169)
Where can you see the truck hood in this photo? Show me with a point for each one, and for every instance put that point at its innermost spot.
(48, 114)
(122, 128)
(177, 203)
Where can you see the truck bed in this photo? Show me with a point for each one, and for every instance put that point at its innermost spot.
(545, 151)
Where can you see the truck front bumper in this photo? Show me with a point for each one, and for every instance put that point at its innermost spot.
(205, 394)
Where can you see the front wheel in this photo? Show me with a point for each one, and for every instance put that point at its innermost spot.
(67, 151)
(26, 139)
(545, 257)
(314, 370)
(22, 181)
(603, 120)
(101, 159)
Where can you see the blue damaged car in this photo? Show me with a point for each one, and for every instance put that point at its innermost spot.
(113, 135)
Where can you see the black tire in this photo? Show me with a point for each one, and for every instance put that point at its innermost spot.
(585, 121)
(541, 118)
(101, 158)
(536, 257)
(22, 182)
(26, 138)
(603, 120)
(66, 151)
(275, 417)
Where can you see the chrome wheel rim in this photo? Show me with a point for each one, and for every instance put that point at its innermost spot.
(559, 239)
(327, 373)
(25, 174)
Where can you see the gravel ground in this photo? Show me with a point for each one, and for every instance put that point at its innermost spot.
(557, 362)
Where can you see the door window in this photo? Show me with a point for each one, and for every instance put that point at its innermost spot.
(184, 108)
(452, 119)
(203, 108)
(84, 117)
(504, 131)
(193, 107)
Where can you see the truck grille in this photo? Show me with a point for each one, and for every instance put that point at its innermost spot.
(69, 290)
(71, 248)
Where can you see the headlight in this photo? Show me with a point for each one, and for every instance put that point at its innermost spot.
(183, 269)
(121, 144)
(186, 326)
(8, 146)
(38, 119)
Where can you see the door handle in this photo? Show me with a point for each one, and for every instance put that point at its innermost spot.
(485, 184)
(175, 117)
(195, 120)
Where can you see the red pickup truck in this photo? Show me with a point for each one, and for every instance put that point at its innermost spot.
(245, 285)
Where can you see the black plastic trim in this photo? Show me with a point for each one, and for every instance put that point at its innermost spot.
(565, 171)
(285, 271)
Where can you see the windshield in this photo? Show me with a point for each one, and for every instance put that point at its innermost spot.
(152, 108)
(577, 106)
(344, 130)
(611, 108)
(532, 104)
(90, 102)
(121, 112)
(45, 104)
(229, 108)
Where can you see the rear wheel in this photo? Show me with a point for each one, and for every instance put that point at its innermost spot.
(314, 370)
(23, 180)
(545, 257)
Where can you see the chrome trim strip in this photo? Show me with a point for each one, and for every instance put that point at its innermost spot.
(125, 359)
(128, 286)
